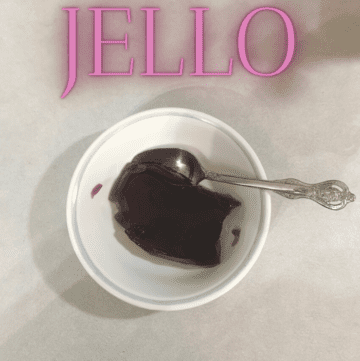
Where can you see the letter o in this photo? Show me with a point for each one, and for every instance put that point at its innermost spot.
(242, 41)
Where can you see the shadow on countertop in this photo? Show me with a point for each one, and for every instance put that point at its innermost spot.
(52, 250)
(332, 39)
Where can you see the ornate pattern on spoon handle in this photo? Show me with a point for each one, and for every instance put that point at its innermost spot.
(331, 194)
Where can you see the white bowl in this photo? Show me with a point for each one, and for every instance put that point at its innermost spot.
(124, 269)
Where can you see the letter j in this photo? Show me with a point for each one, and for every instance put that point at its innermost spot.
(71, 50)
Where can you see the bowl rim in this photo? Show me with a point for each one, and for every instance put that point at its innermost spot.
(188, 302)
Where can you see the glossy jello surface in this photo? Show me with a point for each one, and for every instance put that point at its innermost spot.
(167, 216)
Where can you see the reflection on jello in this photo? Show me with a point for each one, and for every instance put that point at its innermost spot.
(167, 216)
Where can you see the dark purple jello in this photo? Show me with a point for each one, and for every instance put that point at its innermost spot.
(167, 216)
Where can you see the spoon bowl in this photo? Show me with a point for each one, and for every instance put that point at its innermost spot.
(176, 160)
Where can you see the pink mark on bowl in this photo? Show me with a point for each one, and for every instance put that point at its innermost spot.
(96, 190)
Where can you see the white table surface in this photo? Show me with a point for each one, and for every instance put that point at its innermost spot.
(301, 300)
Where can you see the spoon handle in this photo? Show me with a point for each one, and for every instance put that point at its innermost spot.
(331, 194)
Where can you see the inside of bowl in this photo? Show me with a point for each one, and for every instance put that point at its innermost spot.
(126, 266)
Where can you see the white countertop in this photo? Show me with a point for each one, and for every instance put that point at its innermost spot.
(301, 300)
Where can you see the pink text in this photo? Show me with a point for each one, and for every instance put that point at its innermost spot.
(149, 61)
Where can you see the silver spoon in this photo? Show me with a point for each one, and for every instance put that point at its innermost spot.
(331, 194)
